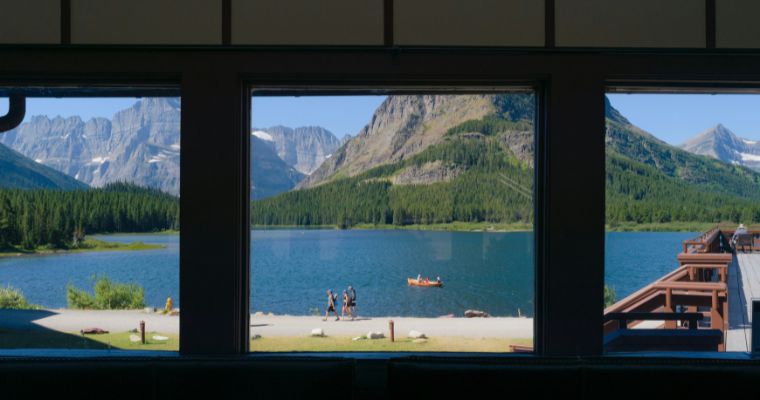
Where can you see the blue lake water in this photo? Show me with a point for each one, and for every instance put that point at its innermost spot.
(292, 269)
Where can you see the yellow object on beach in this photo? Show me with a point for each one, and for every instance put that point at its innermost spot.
(169, 305)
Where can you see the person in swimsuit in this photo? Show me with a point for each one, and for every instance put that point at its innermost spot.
(331, 305)
(346, 305)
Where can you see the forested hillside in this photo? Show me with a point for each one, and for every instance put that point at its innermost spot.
(59, 219)
(481, 170)
(472, 175)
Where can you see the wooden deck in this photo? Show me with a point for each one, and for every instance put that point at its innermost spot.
(743, 286)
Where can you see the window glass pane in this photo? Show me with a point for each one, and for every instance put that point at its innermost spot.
(683, 214)
(89, 225)
(411, 210)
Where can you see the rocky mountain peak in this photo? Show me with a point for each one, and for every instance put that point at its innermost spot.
(721, 143)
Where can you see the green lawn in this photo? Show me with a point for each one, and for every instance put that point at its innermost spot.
(339, 343)
(10, 339)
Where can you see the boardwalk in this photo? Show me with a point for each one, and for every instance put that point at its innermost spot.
(743, 286)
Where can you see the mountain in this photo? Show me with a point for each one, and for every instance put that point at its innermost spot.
(439, 159)
(270, 175)
(20, 172)
(719, 142)
(303, 148)
(140, 144)
(422, 159)
(403, 126)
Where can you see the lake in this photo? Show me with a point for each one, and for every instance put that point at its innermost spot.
(292, 269)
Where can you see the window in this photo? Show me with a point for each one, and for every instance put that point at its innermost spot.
(683, 194)
(89, 224)
(394, 222)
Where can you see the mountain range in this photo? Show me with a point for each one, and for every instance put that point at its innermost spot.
(419, 159)
(141, 145)
(438, 159)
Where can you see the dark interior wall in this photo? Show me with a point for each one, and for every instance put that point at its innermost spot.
(214, 81)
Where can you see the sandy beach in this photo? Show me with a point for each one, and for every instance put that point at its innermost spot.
(64, 320)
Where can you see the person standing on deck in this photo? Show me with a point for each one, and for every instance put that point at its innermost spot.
(352, 302)
(741, 230)
(331, 305)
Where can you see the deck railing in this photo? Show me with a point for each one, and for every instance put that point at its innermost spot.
(697, 286)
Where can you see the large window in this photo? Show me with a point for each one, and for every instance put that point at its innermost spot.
(89, 225)
(683, 208)
(398, 222)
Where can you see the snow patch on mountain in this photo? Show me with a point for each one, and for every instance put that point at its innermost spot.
(263, 136)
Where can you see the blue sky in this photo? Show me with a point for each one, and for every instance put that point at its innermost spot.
(675, 118)
(86, 108)
(340, 115)
(671, 117)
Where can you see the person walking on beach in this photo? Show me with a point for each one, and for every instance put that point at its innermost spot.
(352, 302)
(345, 307)
(331, 305)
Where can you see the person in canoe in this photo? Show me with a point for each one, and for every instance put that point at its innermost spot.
(331, 298)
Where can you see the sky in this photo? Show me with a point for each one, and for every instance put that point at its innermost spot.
(86, 108)
(673, 118)
(340, 115)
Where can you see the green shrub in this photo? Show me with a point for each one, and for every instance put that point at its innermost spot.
(108, 296)
(609, 296)
(11, 298)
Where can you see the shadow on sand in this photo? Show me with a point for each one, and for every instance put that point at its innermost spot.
(18, 330)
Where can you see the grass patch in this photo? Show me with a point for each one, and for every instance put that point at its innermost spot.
(344, 343)
(660, 227)
(86, 246)
(11, 339)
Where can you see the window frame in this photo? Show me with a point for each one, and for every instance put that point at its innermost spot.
(213, 82)
(359, 88)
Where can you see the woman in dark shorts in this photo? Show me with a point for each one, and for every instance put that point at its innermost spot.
(331, 305)
(352, 302)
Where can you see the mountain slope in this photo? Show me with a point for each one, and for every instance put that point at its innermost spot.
(720, 143)
(304, 148)
(400, 127)
(17, 171)
(270, 175)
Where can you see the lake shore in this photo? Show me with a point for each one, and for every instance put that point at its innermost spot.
(90, 245)
(503, 227)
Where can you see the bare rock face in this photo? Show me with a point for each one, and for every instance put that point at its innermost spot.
(304, 148)
(140, 145)
(401, 127)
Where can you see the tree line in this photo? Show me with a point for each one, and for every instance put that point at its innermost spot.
(60, 219)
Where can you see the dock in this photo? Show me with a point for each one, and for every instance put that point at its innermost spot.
(704, 304)
(744, 285)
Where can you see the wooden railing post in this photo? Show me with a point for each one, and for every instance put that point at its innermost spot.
(669, 308)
